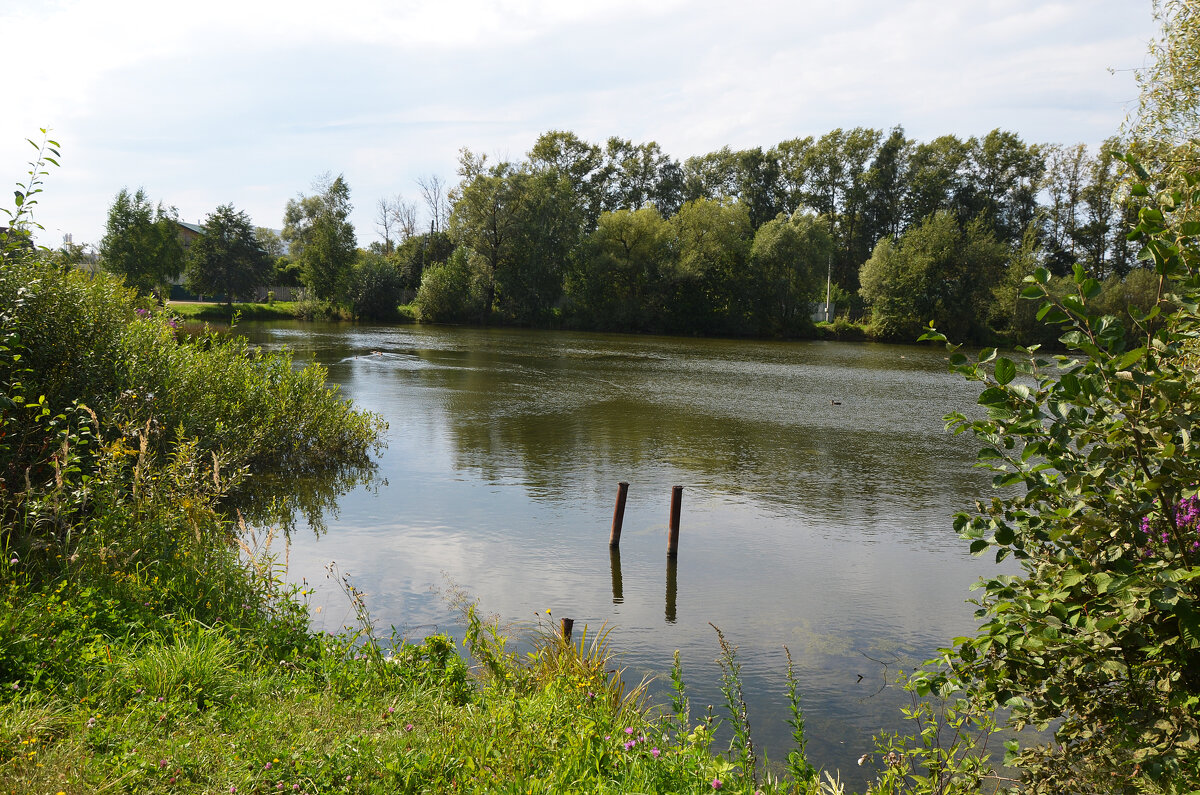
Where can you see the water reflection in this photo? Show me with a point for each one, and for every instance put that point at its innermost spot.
(614, 564)
(821, 526)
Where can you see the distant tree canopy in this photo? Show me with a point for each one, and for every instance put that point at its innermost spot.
(621, 236)
(227, 259)
(141, 242)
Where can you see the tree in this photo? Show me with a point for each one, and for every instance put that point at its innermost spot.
(1098, 636)
(270, 242)
(433, 191)
(484, 217)
(939, 271)
(321, 237)
(614, 282)
(227, 257)
(710, 279)
(141, 242)
(1168, 115)
(787, 263)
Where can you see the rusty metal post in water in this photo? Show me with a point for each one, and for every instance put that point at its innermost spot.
(614, 538)
(673, 536)
(567, 625)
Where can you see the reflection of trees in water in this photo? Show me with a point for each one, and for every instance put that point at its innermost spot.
(819, 464)
(281, 499)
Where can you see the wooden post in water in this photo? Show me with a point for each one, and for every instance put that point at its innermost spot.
(673, 536)
(614, 537)
(567, 625)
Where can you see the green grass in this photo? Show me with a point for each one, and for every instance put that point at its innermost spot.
(279, 310)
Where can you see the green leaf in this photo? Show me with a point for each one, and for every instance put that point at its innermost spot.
(1005, 370)
(993, 396)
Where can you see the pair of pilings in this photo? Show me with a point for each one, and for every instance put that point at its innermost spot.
(614, 537)
(614, 544)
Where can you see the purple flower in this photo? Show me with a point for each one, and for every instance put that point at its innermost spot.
(654, 752)
(716, 783)
(629, 730)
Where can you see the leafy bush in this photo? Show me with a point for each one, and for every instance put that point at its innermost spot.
(375, 288)
(453, 291)
(1099, 637)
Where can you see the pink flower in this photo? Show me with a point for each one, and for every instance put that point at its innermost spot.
(654, 752)
(716, 783)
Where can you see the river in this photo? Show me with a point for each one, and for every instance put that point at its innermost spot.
(819, 487)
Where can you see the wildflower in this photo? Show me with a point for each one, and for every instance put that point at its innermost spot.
(408, 727)
(279, 785)
(629, 745)
(295, 787)
(629, 730)
(14, 561)
(162, 763)
(654, 752)
(267, 766)
(91, 722)
(716, 783)
(391, 710)
(232, 789)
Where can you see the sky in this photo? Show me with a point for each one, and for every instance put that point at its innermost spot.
(248, 102)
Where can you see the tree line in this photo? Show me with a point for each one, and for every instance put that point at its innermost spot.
(621, 236)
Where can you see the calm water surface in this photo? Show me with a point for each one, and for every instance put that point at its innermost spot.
(823, 527)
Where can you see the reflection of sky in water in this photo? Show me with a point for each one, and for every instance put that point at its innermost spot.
(824, 527)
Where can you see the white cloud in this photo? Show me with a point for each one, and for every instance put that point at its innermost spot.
(199, 102)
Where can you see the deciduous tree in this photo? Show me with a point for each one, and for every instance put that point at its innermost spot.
(321, 237)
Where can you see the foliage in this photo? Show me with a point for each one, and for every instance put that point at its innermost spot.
(321, 237)
(1099, 637)
(705, 285)
(227, 259)
(375, 288)
(455, 291)
(614, 282)
(938, 270)
(1168, 116)
(16, 238)
(788, 260)
(141, 242)
(948, 752)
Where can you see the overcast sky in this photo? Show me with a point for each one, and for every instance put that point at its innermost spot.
(247, 102)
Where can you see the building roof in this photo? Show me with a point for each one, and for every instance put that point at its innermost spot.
(193, 227)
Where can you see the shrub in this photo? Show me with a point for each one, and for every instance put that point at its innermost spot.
(1099, 637)
(375, 288)
(453, 291)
